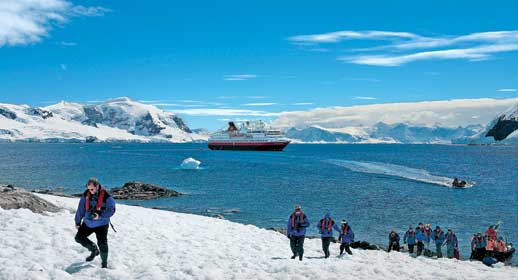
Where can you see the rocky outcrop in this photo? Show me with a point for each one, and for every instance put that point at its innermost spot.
(7, 113)
(141, 191)
(15, 198)
(503, 128)
(44, 114)
(54, 192)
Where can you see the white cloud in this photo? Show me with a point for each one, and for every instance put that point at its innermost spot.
(223, 112)
(372, 80)
(259, 104)
(446, 113)
(28, 21)
(302, 103)
(473, 54)
(239, 77)
(364, 97)
(508, 90)
(67, 44)
(472, 47)
(338, 36)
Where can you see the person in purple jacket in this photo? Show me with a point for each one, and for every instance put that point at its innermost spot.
(325, 227)
(95, 208)
(346, 238)
(297, 224)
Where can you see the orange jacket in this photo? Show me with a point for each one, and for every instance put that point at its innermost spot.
(500, 246)
(491, 233)
(490, 245)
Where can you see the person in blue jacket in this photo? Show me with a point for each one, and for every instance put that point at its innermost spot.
(346, 238)
(297, 224)
(95, 208)
(438, 237)
(325, 227)
(451, 243)
(410, 239)
(420, 236)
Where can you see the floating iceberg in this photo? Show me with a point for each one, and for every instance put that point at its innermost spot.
(190, 163)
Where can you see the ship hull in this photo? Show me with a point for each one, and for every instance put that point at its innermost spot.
(248, 146)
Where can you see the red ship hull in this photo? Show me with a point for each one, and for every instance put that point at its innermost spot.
(248, 146)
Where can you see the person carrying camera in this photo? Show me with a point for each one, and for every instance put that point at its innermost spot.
(95, 208)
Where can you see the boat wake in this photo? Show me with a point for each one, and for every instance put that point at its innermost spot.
(413, 174)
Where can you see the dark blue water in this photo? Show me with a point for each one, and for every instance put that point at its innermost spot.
(264, 186)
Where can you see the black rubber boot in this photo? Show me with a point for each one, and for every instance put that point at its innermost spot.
(293, 257)
(104, 254)
(94, 253)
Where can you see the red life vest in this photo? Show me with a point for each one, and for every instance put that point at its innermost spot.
(438, 233)
(410, 233)
(329, 224)
(99, 200)
(293, 216)
(345, 229)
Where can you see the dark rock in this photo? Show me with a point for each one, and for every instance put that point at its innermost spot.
(8, 114)
(90, 122)
(15, 198)
(91, 139)
(148, 125)
(502, 128)
(44, 114)
(141, 191)
(53, 192)
(364, 245)
(179, 122)
(219, 216)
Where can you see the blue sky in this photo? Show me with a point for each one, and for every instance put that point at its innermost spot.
(214, 60)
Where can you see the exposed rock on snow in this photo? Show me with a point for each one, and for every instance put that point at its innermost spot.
(141, 191)
(502, 130)
(154, 244)
(15, 198)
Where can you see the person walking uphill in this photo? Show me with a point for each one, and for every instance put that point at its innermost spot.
(95, 208)
(438, 237)
(393, 241)
(451, 244)
(410, 239)
(346, 238)
(421, 238)
(297, 224)
(325, 227)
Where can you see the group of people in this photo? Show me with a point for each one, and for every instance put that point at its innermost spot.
(96, 207)
(422, 236)
(297, 224)
(418, 238)
(491, 248)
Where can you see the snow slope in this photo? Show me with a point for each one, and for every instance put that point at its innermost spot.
(155, 244)
(120, 119)
(510, 116)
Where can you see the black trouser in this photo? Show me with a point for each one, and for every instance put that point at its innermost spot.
(411, 248)
(480, 253)
(325, 245)
(297, 245)
(346, 247)
(394, 246)
(101, 233)
(420, 247)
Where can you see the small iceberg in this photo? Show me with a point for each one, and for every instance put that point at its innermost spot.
(190, 163)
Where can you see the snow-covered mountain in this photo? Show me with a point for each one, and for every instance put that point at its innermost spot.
(381, 133)
(502, 130)
(120, 119)
(418, 122)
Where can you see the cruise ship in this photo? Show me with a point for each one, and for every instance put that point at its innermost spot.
(248, 135)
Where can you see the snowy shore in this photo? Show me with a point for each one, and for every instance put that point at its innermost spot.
(156, 244)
